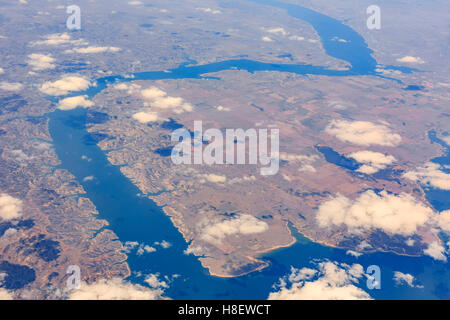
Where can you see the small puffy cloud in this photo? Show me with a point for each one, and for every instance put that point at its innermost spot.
(39, 61)
(19, 156)
(430, 175)
(266, 39)
(446, 139)
(129, 246)
(371, 161)
(167, 102)
(364, 245)
(145, 248)
(195, 250)
(74, 102)
(297, 38)
(146, 117)
(215, 178)
(154, 282)
(134, 3)
(436, 251)
(5, 295)
(401, 278)
(305, 162)
(2, 71)
(10, 86)
(114, 289)
(279, 31)
(159, 99)
(65, 85)
(209, 10)
(244, 224)
(10, 207)
(153, 93)
(363, 133)
(353, 253)
(331, 281)
(93, 49)
(163, 244)
(394, 214)
(410, 59)
(222, 108)
(130, 88)
(59, 39)
(8, 233)
(443, 220)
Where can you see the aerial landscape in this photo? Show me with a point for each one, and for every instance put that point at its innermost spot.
(224, 150)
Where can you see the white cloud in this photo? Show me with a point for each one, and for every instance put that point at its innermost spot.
(209, 10)
(353, 253)
(244, 224)
(65, 85)
(19, 155)
(401, 278)
(446, 139)
(155, 283)
(195, 250)
(10, 207)
(145, 249)
(430, 175)
(73, 102)
(222, 108)
(372, 161)
(279, 31)
(167, 102)
(266, 39)
(145, 117)
(130, 88)
(159, 99)
(153, 93)
(305, 162)
(59, 39)
(39, 61)
(410, 59)
(215, 178)
(2, 71)
(298, 38)
(443, 220)
(134, 3)
(331, 281)
(163, 244)
(5, 295)
(10, 86)
(93, 49)
(130, 245)
(364, 245)
(436, 251)
(115, 289)
(9, 232)
(394, 214)
(363, 133)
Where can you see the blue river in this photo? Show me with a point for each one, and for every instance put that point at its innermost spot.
(134, 217)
